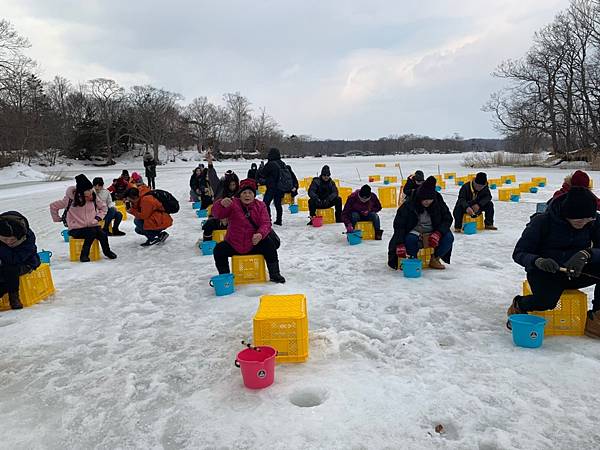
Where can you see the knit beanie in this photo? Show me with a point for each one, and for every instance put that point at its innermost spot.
(136, 177)
(82, 183)
(247, 184)
(365, 192)
(580, 178)
(325, 172)
(579, 203)
(419, 176)
(481, 179)
(5, 228)
(125, 173)
(427, 190)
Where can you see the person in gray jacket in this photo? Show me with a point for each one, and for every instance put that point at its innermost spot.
(112, 215)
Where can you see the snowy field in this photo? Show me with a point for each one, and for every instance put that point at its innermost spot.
(138, 353)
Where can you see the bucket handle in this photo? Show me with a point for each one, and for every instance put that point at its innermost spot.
(236, 364)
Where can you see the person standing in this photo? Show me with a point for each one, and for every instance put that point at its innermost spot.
(150, 166)
(278, 181)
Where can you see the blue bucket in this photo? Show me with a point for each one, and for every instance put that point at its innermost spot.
(65, 235)
(508, 181)
(470, 228)
(202, 212)
(438, 188)
(515, 198)
(355, 237)
(412, 268)
(541, 184)
(533, 190)
(493, 186)
(527, 330)
(451, 177)
(460, 183)
(386, 181)
(208, 247)
(45, 256)
(223, 284)
(196, 205)
(294, 209)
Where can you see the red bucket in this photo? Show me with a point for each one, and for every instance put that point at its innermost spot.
(257, 366)
(317, 221)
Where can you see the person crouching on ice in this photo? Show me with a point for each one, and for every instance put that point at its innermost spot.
(560, 249)
(423, 220)
(362, 205)
(248, 232)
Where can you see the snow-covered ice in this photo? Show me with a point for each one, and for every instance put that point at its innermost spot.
(138, 352)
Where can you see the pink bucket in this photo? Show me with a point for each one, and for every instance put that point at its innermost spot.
(317, 221)
(258, 366)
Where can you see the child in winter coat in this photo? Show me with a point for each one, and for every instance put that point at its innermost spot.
(248, 231)
(112, 214)
(422, 221)
(18, 254)
(83, 212)
(362, 205)
(119, 187)
(151, 219)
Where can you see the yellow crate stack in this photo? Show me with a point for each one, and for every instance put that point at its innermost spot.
(249, 269)
(328, 215)
(479, 220)
(303, 204)
(458, 180)
(287, 199)
(121, 208)
(33, 287)
(281, 322)
(388, 196)
(75, 246)
(497, 181)
(262, 189)
(367, 228)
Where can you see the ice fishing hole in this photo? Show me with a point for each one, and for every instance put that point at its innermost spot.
(308, 397)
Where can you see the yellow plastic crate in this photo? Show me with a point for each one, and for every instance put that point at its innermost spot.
(441, 184)
(302, 184)
(496, 181)
(388, 196)
(287, 199)
(328, 215)
(538, 180)
(337, 182)
(344, 193)
(458, 180)
(525, 187)
(449, 175)
(512, 178)
(379, 165)
(308, 181)
(303, 204)
(374, 178)
(122, 209)
(438, 178)
(591, 183)
(249, 269)
(262, 189)
(281, 322)
(75, 246)
(33, 288)
(390, 179)
(569, 316)
(425, 255)
(368, 230)
(219, 235)
(479, 220)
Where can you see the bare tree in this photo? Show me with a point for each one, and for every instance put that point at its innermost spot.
(11, 44)
(108, 98)
(239, 110)
(262, 128)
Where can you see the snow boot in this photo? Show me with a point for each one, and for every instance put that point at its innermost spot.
(84, 258)
(457, 230)
(14, 300)
(491, 227)
(278, 222)
(378, 235)
(117, 232)
(310, 222)
(110, 255)
(274, 274)
(436, 263)
(514, 309)
(592, 324)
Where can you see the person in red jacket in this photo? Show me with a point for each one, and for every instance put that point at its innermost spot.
(151, 219)
(248, 232)
(362, 205)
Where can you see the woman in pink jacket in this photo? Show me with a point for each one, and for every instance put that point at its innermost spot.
(82, 213)
(248, 230)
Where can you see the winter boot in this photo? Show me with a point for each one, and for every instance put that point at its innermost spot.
(457, 230)
(592, 324)
(117, 232)
(514, 307)
(274, 274)
(436, 263)
(278, 222)
(14, 300)
(310, 221)
(162, 237)
(110, 255)
(378, 235)
(491, 227)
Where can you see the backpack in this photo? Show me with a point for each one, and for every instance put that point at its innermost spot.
(284, 182)
(169, 203)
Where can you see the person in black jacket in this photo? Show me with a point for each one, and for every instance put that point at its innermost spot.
(253, 172)
(271, 174)
(413, 182)
(18, 254)
(559, 250)
(295, 184)
(323, 194)
(150, 166)
(423, 220)
(474, 198)
(200, 188)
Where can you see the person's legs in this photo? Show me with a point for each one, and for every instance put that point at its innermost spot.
(9, 283)
(194, 196)
(458, 217)
(488, 212)
(312, 207)
(374, 217)
(117, 221)
(152, 182)
(206, 201)
(266, 247)
(445, 245)
(269, 195)
(88, 235)
(411, 242)
(149, 234)
(337, 203)
(223, 250)
(208, 228)
(546, 290)
(108, 218)
(354, 218)
(103, 239)
(277, 199)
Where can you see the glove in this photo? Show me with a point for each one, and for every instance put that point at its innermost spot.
(547, 265)
(577, 262)
(434, 239)
(98, 219)
(349, 229)
(401, 251)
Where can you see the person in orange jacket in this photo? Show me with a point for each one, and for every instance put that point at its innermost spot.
(151, 219)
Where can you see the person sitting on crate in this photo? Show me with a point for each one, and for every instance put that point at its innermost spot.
(474, 198)
(560, 249)
(82, 213)
(151, 214)
(18, 254)
(200, 190)
(423, 220)
(412, 183)
(362, 205)
(112, 214)
(249, 230)
(119, 187)
(323, 194)
(578, 179)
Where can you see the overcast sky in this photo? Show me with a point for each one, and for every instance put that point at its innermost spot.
(331, 69)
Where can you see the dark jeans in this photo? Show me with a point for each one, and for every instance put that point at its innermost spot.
(211, 225)
(316, 203)
(111, 214)
(139, 229)
(411, 241)
(9, 277)
(89, 235)
(151, 182)
(371, 217)
(487, 210)
(224, 250)
(548, 287)
(276, 197)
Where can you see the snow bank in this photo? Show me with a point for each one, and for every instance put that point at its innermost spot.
(20, 173)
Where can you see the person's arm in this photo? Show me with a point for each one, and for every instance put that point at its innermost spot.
(484, 197)
(347, 211)
(101, 208)
(213, 178)
(334, 191)
(264, 223)
(193, 183)
(527, 248)
(447, 218)
(595, 250)
(462, 201)
(312, 190)
(57, 206)
(376, 203)
(221, 212)
(400, 222)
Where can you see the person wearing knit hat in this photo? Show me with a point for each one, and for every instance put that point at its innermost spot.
(82, 183)
(113, 217)
(578, 178)
(278, 181)
(412, 183)
(119, 186)
(474, 199)
(18, 254)
(560, 249)
(362, 205)
(423, 220)
(323, 194)
(249, 230)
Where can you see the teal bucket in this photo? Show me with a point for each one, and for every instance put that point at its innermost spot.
(451, 177)
(541, 184)
(386, 181)
(412, 268)
(508, 181)
(202, 213)
(470, 228)
(493, 186)
(294, 209)
(527, 330)
(223, 284)
(208, 247)
(355, 237)
(45, 256)
(515, 198)
(65, 235)
(438, 188)
(460, 183)
(196, 205)
(533, 190)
